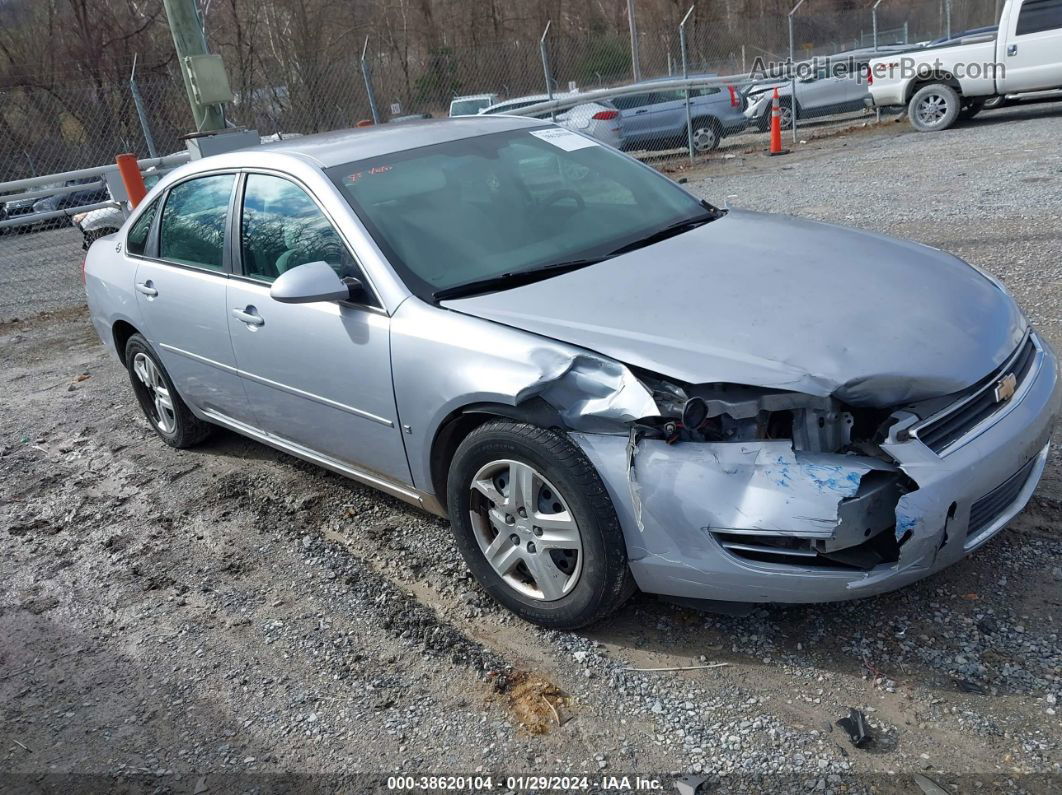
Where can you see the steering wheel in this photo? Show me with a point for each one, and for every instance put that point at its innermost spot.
(558, 195)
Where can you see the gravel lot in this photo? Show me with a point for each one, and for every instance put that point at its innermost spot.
(225, 617)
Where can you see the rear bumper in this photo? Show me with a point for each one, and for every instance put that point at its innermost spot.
(682, 497)
(884, 95)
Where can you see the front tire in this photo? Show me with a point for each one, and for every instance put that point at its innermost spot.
(934, 107)
(536, 527)
(167, 414)
(787, 116)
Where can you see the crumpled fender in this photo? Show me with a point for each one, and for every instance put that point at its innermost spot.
(443, 361)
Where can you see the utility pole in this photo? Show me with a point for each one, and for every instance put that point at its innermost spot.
(636, 65)
(190, 40)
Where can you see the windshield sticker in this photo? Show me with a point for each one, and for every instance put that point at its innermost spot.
(357, 175)
(564, 139)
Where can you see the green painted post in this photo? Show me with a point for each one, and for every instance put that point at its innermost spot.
(189, 39)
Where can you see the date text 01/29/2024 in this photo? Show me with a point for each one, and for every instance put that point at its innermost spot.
(478, 783)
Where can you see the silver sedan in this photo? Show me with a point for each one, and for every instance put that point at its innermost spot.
(604, 382)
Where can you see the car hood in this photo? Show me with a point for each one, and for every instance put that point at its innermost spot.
(779, 302)
(759, 88)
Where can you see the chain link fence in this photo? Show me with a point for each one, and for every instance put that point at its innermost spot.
(80, 124)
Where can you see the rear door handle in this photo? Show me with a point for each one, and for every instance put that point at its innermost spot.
(249, 316)
(146, 289)
(643, 110)
(1012, 49)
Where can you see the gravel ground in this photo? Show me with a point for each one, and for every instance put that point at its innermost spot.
(231, 618)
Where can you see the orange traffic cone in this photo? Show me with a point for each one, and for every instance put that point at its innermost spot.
(776, 126)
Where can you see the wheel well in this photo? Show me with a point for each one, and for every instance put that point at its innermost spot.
(460, 423)
(711, 120)
(946, 78)
(122, 331)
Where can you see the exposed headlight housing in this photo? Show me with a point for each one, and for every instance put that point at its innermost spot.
(738, 413)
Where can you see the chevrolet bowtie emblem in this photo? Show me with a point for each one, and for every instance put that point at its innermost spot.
(1005, 387)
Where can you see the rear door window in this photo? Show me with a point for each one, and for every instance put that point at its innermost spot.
(192, 230)
(631, 101)
(1039, 15)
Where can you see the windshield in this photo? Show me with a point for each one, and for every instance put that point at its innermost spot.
(463, 211)
(468, 107)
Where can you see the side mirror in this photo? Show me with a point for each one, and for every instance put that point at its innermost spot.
(310, 282)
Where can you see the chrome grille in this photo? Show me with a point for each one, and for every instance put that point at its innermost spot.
(978, 404)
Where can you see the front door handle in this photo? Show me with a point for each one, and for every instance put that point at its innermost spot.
(146, 289)
(1012, 49)
(249, 316)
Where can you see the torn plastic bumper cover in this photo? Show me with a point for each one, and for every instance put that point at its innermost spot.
(757, 521)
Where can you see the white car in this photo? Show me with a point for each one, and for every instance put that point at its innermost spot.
(824, 86)
(600, 120)
(471, 104)
(954, 80)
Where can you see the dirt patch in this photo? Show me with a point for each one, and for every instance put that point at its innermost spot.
(537, 704)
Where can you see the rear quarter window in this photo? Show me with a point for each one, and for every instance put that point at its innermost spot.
(136, 242)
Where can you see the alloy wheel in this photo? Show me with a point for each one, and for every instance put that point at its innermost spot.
(931, 109)
(159, 394)
(525, 530)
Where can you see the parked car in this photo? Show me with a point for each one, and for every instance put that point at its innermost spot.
(834, 85)
(941, 85)
(602, 380)
(408, 117)
(657, 118)
(15, 208)
(599, 119)
(104, 221)
(471, 104)
(95, 191)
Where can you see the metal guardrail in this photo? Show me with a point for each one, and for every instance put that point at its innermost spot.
(34, 188)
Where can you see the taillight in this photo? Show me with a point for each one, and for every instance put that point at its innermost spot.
(734, 102)
(605, 115)
(870, 76)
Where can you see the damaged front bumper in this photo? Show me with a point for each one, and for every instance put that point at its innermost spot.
(758, 522)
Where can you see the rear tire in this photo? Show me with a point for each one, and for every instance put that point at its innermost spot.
(536, 527)
(970, 110)
(167, 414)
(934, 107)
(707, 133)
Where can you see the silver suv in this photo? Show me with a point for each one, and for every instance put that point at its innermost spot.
(657, 118)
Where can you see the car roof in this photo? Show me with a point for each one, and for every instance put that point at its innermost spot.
(472, 96)
(345, 146)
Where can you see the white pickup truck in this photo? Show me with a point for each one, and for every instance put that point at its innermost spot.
(940, 84)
